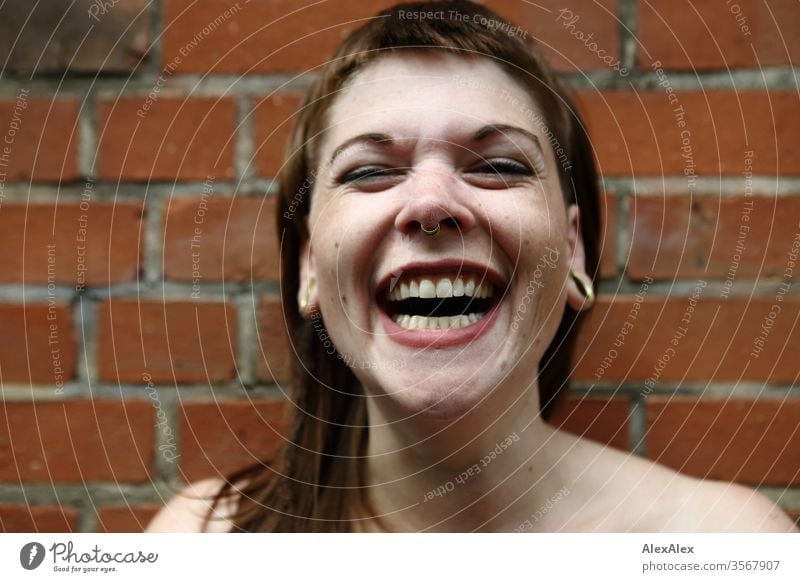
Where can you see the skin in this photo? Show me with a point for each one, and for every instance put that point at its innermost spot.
(436, 411)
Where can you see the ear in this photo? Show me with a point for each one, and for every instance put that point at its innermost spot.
(577, 262)
(307, 291)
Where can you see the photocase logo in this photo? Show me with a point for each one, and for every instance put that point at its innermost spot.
(31, 555)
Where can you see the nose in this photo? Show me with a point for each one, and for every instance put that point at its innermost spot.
(435, 198)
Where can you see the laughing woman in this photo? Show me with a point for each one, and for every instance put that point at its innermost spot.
(432, 282)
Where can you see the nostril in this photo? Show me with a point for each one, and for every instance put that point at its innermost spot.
(450, 222)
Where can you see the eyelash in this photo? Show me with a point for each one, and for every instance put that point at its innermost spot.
(495, 167)
(507, 166)
(365, 173)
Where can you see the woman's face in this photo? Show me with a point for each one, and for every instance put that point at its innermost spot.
(436, 323)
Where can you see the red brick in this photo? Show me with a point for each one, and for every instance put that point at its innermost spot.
(552, 25)
(175, 138)
(109, 251)
(708, 36)
(219, 437)
(638, 133)
(608, 251)
(37, 518)
(717, 346)
(708, 236)
(234, 239)
(25, 352)
(273, 117)
(44, 140)
(275, 36)
(51, 38)
(125, 519)
(274, 357)
(600, 419)
(754, 442)
(173, 341)
(76, 441)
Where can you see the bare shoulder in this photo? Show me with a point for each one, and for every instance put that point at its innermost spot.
(632, 493)
(729, 507)
(187, 511)
(688, 504)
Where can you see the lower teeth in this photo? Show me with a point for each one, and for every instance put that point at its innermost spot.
(422, 322)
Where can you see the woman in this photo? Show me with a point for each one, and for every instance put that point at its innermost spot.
(439, 218)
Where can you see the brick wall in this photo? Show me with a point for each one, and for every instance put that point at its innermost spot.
(134, 130)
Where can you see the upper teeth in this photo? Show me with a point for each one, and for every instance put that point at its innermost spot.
(431, 288)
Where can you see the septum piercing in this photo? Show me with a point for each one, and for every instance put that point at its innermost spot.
(432, 232)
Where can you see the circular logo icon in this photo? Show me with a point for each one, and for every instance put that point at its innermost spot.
(31, 555)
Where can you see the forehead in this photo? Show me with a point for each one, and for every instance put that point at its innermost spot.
(425, 93)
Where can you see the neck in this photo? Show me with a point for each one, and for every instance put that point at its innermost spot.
(487, 470)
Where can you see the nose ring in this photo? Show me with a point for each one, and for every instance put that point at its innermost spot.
(431, 232)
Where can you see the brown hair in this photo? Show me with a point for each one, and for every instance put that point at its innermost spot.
(316, 481)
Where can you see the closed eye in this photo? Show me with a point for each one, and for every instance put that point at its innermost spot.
(369, 175)
(490, 173)
(502, 167)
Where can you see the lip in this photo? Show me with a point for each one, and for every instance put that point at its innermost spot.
(440, 338)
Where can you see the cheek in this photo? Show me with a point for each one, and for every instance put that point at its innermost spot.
(537, 245)
(526, 231)
(339, 267)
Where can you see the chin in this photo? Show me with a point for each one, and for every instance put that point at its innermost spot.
(438, 395)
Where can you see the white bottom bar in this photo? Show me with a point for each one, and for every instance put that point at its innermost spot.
(417, 557)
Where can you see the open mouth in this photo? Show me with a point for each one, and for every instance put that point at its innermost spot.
(442, 301)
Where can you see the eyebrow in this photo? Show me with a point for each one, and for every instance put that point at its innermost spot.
(483, 133)
(502, 129)
(376, 138)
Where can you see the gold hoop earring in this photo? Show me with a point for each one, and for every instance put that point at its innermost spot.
(307, 295)
(583, 286)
